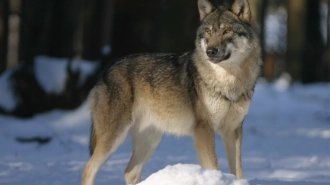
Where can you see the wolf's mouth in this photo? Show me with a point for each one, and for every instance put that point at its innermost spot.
(220, 58)
(227, 56)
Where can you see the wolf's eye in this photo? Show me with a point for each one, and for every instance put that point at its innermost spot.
(208, 31)
(226, 31)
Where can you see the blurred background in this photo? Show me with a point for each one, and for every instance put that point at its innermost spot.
(51, 51)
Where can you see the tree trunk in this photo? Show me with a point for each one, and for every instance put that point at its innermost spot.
(180, 20)
(314, 68)
(263, 13)
(108, 14)
(327, 54)
(92, 29)
(4, 16)
(295, 37)
(328, 27)
(79, 31)
(32, 29)
(63, 23)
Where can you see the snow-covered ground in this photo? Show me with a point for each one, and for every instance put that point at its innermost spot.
(286, 142)
(191, 174)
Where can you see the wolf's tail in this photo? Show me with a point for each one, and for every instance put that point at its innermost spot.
(92, 141)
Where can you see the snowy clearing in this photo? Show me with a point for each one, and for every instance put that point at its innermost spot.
(286, 142)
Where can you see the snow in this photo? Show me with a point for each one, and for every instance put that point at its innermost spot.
(283, 82)
(286, 142)
(51, 73)
(324, 19)
(8, 101)
(188, 174)
(85, 67)
(106, 50)
(276, 30)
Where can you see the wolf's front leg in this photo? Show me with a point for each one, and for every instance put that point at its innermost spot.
(238, 143)
(233, 142)
(205, 146)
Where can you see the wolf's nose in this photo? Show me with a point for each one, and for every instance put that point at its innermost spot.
(211, 52)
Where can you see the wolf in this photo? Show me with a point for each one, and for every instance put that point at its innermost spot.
(198, 94)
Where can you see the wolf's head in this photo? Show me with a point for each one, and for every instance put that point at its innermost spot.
(226, 35)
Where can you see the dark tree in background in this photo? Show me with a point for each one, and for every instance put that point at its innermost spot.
(314, 68)
(70, 28)
(328, 30)
(33, 14)
(139, 27)
(179, 35)
(296, 37)
(47, 28)
(92, 29)
(4, 16)
(62, 19)
(306, 48)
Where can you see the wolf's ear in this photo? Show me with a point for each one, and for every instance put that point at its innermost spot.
(242, 9)
(205, 7)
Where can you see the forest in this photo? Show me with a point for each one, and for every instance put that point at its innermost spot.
(53, 51)
(294, 35)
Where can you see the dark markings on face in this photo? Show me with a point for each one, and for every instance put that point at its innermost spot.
(243, 34)
(228, 20)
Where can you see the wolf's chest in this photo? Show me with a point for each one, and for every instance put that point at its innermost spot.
(219, 81)
(223, 113)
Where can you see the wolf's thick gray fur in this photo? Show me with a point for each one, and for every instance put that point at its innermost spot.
(199, 93)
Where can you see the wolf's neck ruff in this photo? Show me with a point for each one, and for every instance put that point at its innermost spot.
(232, 82)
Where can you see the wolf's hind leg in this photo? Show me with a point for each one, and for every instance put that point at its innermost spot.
(106, 144)
(145, 142)
(111, 112)
(205, 146)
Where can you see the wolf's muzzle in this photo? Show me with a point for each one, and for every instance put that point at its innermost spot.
(211, 52)
(215, 55)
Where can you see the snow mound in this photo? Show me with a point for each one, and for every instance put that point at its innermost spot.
(190, 174)
(8, 101)
(51, 73)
